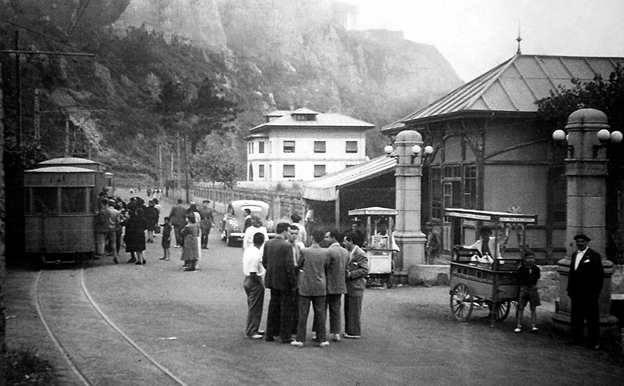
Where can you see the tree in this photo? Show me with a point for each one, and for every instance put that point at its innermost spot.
(196, 116)
(608, 97)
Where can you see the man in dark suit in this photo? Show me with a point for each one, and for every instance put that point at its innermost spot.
(356, 271)
(584, 286)
(336, 284)
(280, 279)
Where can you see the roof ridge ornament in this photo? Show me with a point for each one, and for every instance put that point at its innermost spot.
(519, 38)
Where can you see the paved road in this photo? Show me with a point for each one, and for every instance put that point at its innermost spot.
(191, 324)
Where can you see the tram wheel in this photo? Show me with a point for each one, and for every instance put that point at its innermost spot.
(461, 302)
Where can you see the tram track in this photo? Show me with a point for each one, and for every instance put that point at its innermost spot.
(96, 350)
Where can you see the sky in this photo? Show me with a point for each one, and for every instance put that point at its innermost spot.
(477, 35)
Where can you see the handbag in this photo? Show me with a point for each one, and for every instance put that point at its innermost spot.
(157, 229)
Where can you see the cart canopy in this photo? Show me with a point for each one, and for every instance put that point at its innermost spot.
(373, 211)
(496, 217)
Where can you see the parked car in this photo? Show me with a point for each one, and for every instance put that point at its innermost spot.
(233, 223)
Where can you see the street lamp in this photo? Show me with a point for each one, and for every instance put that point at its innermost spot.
(604, 138)
(416, 151)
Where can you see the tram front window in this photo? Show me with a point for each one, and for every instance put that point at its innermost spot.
(45, 200)
(73, 200)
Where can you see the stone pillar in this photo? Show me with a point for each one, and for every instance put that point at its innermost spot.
(408, 235)
(586, 171)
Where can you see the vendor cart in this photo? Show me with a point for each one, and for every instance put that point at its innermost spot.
(477, 282)
(378, 243)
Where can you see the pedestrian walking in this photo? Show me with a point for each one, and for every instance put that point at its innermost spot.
(166, 239)
(277, 259)
(207, 222)
(528, 276)
(336, 283)
(312, 287)
(254, 286)
(584, 287)
(178, 220)
(190, 251)
(356, 271)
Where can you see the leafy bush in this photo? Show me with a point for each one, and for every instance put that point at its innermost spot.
(26, 368)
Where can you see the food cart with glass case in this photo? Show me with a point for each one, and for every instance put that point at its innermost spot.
(379, 243)
(476, 282)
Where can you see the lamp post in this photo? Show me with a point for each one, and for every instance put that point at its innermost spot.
(410, 239)
(586, 172)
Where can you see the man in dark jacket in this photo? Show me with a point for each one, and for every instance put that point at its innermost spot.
(584, 286)
(151, 217)
(356, 272)
(280, 279)
(178, 220)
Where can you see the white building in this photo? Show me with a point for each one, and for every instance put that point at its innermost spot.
(303, 144)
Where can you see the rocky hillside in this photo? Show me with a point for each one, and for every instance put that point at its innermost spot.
(262, 55)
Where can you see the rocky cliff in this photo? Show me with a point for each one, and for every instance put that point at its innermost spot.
(264, 55)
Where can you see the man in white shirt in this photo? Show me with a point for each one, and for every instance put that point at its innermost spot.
(254, 286)
(256, 227)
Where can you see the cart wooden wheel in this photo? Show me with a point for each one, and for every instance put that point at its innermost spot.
(502, 311)
(461, 302)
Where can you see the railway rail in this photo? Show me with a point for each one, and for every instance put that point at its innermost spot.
(103, 354)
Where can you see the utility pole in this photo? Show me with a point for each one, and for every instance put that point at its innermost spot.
(37, 127)
(18, 78)
(67, 136)
(186, 168)
(159, 165)
(19, 90)
(178, 171)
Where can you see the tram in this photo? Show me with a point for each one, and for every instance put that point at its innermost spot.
(61, 202)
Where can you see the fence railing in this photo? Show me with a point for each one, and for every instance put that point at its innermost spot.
(281, 204)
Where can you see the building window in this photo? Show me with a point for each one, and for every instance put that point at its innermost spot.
(558, 195)
(270, 171)
(319, 170)
(470, 186)
(436, 193)
(260, 171)
(319, 146)
(289, 171)
(289, 146)
(261, 147)
(349, 165)
(251, 148)
(352, 147)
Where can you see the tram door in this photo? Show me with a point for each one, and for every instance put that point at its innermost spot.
(451, 227)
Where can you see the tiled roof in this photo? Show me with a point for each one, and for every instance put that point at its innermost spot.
(513, 86)
(325, 188)
(329, 120)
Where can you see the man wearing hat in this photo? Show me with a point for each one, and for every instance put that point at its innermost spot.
(206, 222)
(584, 286)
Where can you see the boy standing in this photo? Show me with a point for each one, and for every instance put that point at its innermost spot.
(528, 275)
(166, 239)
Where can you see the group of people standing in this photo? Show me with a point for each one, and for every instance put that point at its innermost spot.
(300, 276)
(118, 222)
(191, 227)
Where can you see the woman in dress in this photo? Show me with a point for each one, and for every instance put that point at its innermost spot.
(190, 235)
(135, 236)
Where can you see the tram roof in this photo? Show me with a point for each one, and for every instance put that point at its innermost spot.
(60, 169)
(68, 161)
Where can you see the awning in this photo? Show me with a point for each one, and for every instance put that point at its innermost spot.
(326, 188)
